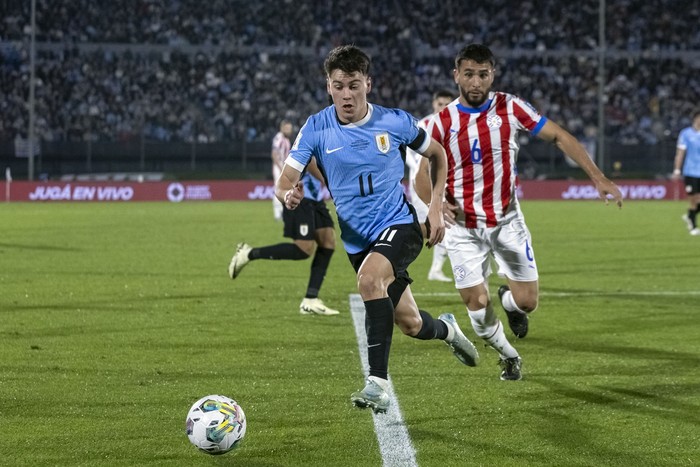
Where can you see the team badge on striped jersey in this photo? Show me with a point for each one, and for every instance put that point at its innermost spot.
(383, 142)
(494, 121)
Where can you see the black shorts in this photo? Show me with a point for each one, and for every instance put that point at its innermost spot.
(302, 222)
(400, 244)
(692, 185)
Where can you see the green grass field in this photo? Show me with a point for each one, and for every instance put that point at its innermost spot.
(115, 318)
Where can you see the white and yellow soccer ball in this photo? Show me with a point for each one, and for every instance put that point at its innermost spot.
(216, 424)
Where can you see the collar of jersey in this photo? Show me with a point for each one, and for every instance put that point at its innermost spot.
(364, 120)
(472, 110)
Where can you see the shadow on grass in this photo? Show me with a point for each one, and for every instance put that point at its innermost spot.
(687, 359)
(656, 401)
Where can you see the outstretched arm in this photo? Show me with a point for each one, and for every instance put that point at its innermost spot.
(570, 146)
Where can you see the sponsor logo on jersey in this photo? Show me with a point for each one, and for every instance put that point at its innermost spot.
(383, 142)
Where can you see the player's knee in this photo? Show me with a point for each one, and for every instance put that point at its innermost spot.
(476, 301)
(527, 304)
(370, 286)
(327, 243)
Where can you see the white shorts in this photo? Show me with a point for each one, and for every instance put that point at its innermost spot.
(470, 252)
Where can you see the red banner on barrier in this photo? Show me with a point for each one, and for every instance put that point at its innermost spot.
(231, 190)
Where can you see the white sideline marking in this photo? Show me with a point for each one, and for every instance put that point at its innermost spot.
(602, 293)
(394, 443)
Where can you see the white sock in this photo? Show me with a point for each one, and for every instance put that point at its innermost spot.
(509, 303)
(383, 383)
(490, 328)
(439, 257)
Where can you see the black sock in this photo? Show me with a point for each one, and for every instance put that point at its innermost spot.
(432, 328)
(279, 251)
(319, 266)
(379, 325)
(692, 214)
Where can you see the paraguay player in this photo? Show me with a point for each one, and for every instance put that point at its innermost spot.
(479, 132)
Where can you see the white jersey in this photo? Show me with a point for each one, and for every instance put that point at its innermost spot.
(280, 150)
(413, 163)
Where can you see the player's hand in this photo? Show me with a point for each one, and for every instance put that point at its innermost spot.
(607, 190)
(676, 175)
(449, 212)
(293, 197)
(436, 223)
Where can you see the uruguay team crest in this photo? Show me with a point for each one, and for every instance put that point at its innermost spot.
(383, 142)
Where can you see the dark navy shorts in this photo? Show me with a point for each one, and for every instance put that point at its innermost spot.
(302, 222)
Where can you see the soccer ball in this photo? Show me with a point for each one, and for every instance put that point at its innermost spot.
(216, 424)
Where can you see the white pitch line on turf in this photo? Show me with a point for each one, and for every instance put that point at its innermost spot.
(625, 293)
(394, 443)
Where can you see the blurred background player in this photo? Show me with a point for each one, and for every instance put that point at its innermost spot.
(440, 99)
(687, 163)
(309, 225)
(280, 151)
(479, 132)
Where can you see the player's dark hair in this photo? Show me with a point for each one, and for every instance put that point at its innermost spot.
(443, 93)
(476, 52)
(347, 58)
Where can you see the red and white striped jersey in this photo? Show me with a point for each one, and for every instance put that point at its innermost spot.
(482, 148)
(413, 158)
(280, 150)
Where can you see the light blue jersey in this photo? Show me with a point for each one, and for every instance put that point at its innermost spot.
(689, 139)
(363, 168)
(313, 189)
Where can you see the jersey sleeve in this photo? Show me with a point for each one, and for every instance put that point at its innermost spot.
(303, 147)
(682, 140)
(527, 116)
(414, 136)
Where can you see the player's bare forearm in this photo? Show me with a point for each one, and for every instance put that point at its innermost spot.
(438, 169)
(438, 175)
(678, 163)
(288, 189)
(422, 184)
(570, 146)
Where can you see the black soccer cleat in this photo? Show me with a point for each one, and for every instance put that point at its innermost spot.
(511, 369)
(517, 321)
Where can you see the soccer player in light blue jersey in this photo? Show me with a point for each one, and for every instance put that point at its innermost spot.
(356, 146)
(687, 162)
(310, 226)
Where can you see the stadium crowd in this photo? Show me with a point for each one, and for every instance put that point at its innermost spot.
(230, 70)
